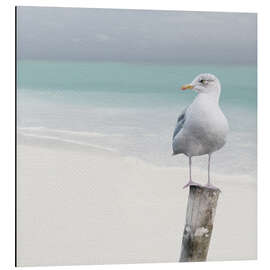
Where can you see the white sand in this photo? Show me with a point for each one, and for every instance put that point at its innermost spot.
(76, 207)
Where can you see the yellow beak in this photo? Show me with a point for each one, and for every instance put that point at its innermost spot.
(187, 86)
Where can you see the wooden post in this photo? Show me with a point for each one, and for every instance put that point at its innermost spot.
(201, 208)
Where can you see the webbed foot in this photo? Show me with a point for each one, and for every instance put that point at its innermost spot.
(191, 183)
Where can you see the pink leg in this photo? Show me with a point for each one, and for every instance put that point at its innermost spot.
(190, 182)
(209, 185)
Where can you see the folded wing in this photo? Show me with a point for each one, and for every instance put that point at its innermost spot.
(180, 123)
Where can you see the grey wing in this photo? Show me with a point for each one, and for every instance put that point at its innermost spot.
(180, 123)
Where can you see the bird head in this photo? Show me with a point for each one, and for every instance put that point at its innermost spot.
(204, 83)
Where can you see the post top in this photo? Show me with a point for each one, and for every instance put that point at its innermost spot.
(196, 188)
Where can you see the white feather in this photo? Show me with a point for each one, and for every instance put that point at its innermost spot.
(205, 127)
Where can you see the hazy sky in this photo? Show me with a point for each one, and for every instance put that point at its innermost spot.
(136, 35)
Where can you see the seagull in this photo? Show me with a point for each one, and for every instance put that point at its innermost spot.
(201, 128)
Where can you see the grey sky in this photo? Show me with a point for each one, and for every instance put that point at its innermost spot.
(136, 35)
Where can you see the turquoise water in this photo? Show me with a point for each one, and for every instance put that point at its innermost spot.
(132, 108)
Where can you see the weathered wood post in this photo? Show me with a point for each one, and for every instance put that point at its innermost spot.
(201, 208)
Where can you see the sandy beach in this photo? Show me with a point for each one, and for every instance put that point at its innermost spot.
(97, 207)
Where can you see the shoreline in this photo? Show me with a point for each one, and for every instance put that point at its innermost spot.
(52, 142)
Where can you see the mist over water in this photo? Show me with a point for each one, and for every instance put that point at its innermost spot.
(131, 108)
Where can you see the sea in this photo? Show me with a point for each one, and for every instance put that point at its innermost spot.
(131, 109)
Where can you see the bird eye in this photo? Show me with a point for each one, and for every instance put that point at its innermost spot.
(202, 81)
